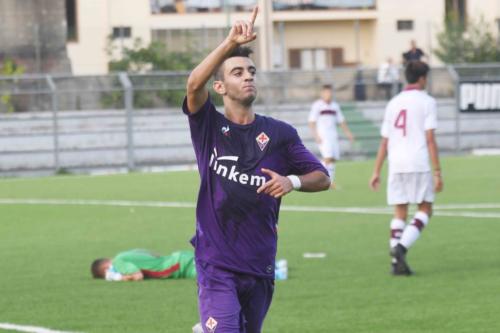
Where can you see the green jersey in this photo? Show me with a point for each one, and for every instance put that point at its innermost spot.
(178, 265)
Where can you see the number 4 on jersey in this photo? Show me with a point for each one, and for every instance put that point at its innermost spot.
(400, 122)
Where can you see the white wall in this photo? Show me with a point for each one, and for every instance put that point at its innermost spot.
(488, 9)
(96, 19)
(378, 34)
(87, 54)
(427, 16)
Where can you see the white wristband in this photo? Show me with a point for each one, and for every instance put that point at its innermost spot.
(296, 183)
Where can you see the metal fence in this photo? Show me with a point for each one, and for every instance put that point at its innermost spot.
(56, 123)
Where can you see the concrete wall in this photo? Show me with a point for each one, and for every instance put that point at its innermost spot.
(97, 140)
(34, 33)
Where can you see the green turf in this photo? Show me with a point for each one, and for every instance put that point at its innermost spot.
(46, 252)
(363, 129)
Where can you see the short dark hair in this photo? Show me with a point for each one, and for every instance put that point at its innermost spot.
(415, 69)
(240, 51)
(327, 86)
(95, 268)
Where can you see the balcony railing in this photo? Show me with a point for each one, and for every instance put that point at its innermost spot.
(196, 6)
(322, 4)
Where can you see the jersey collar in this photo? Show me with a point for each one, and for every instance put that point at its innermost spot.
(412, 87)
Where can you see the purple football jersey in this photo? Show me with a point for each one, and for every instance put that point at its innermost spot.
(236, 228)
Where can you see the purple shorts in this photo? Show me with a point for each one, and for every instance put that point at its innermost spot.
(231, 302)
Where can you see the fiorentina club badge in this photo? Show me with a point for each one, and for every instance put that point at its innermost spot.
(262, 140)
(225, 130)
(211, 324)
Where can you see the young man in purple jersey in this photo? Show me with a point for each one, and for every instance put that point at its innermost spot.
(247, 162)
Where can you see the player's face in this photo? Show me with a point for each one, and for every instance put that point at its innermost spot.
(103, 268)
(239, 80)
(326, 95)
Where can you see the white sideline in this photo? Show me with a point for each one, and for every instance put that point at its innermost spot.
(116, 203)
(29, 329)
(174, 204)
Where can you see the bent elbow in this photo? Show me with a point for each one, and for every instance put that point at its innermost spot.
(190, 87)
(193, 85)
(326, 183)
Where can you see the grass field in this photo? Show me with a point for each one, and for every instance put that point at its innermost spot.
(46, 249)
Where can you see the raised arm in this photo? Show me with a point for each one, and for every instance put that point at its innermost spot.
(196, 91)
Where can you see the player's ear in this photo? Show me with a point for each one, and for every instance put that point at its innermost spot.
(219, 87)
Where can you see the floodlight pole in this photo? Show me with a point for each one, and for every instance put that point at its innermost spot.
(55, 121)
(456, 81)
(128, 100)
(228, 14)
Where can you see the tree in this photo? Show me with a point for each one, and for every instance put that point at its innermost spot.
(143, 59)
(8, 68)
(153, 57)
(472, 43)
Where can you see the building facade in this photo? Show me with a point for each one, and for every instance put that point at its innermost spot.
(293, 34)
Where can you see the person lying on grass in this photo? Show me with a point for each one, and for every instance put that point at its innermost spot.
(139, 264)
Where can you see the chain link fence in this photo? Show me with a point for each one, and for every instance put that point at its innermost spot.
(59, 123)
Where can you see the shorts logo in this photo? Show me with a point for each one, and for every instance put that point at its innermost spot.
(211, 324)
(262, 140)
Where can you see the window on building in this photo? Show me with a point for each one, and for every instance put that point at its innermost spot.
(201, 39)
(200, 6)
(122, 32)
(337, 56)
(404, 25)
(71, 20)
(186, 40)
(315, 59)
(320, 4)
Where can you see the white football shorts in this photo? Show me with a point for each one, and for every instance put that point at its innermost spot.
(414, 188)
(329, 149)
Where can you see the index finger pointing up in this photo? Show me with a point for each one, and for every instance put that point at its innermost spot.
(254, 14)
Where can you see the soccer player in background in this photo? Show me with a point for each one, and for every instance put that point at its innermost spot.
(247, 163)
(324, 117)
(408, 138)
(136, 265)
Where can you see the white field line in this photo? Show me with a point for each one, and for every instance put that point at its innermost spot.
(29, 329)
(469, 214)
(323, 209)
(114, 203)
(468, 206)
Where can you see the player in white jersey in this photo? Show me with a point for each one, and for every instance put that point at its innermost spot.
(324, 117)
(408, 137)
